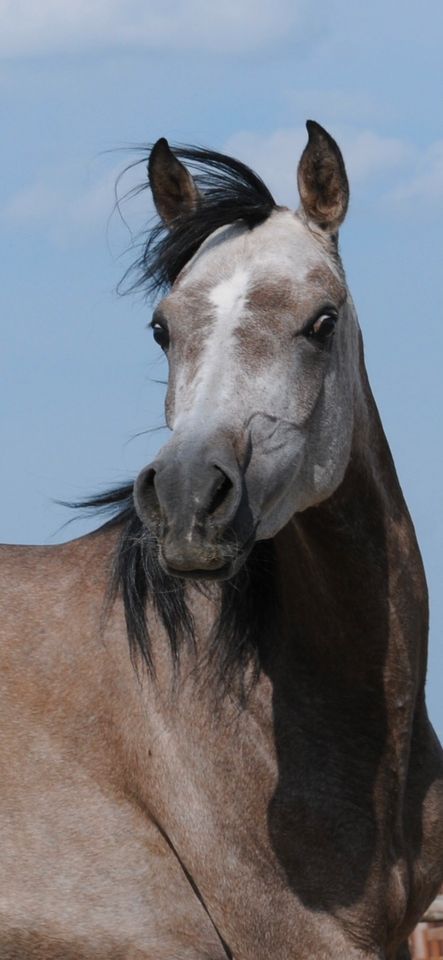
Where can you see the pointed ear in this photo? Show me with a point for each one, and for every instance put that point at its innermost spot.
(172, 186)
(322, 180)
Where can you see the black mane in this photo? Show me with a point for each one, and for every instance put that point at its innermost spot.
(245, 604)
(229, 191)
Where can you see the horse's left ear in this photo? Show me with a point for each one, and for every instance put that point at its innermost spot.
(322, 180)
(173, 188)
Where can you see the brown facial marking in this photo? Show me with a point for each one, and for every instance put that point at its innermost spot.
(323, 277)
(266, 319)
(269, 306)
(190, 321)
(273, 297)
(253, 346)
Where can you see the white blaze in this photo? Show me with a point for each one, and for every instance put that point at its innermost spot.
(228, 299)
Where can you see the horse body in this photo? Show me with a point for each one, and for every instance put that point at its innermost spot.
(281, 798)
(86, 872)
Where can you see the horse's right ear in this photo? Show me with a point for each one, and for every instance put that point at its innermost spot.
(173, 188)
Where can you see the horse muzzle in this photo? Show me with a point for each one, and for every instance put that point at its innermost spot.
(192, 497)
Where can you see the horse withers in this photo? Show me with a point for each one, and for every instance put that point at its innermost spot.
(214, 739)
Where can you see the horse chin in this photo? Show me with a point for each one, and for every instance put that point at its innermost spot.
(225, 571)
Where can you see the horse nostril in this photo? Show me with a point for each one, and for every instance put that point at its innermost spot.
(145, 495)
(221, 491)
(182, 494)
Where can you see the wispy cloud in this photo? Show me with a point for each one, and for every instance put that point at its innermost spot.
(423, 188)
(368, 154)
(69, 208)
(57, 200)
(408, 178)
(275, 155)
(332, 105)
(31, 27)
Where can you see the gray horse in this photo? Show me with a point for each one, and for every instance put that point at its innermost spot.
(254, 776)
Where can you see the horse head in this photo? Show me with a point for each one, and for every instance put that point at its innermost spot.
(262, 345)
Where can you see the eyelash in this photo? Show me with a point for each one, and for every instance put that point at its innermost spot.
(322, 329)
(160, 334)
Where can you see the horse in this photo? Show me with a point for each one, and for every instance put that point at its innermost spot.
(214, 738)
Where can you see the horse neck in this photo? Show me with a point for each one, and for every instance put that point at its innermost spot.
(349, 569)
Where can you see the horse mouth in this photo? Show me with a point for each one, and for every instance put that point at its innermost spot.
(219, 573)
(217, 568)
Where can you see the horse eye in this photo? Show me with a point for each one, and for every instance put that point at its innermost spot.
(323, 328)
(161, 335)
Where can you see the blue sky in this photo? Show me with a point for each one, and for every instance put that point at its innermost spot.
(78, 82)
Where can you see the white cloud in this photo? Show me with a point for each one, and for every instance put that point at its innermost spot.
(370, 159)
(32, 27)
(367, 154)
(56, 198)
(423, 188)
(275, 156)
(68, 208)
(330, 105)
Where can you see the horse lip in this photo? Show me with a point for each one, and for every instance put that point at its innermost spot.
(225, 571)
(218, 573)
